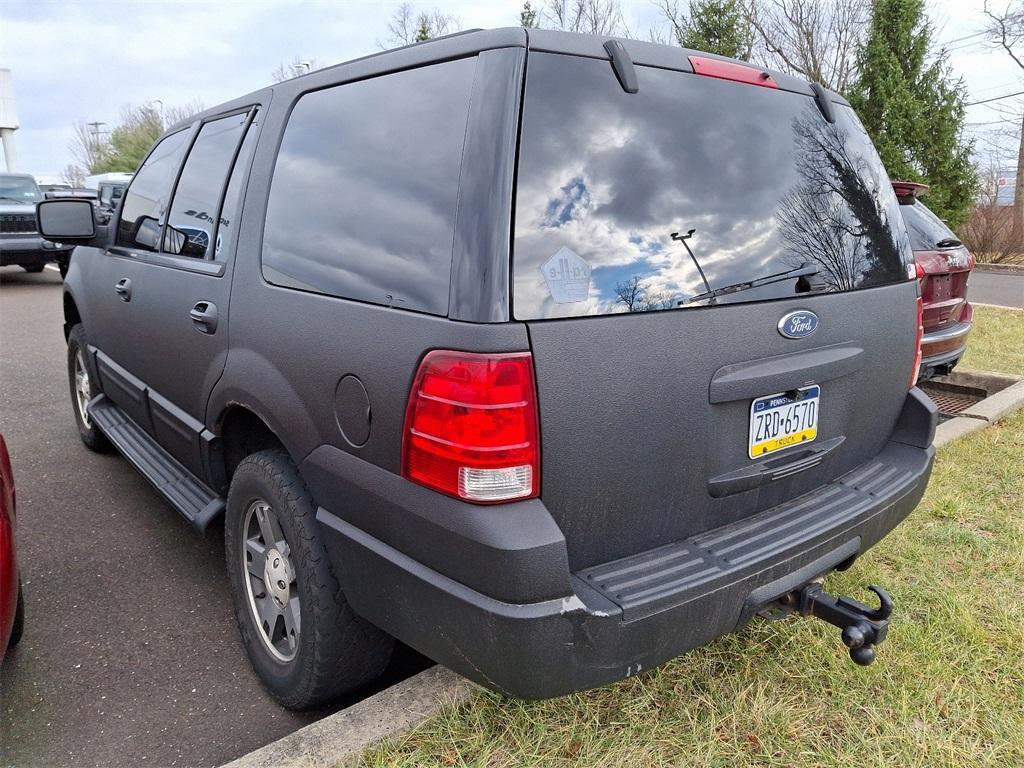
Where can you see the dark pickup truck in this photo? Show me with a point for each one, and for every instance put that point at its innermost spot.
(20, 242)
(549, 355)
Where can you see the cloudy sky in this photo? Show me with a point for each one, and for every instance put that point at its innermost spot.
(84, 61)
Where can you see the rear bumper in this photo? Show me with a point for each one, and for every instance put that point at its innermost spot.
(620, 618)
(942, 349)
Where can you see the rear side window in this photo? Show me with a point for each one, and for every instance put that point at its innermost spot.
(146, 198)
(191, 225)
(764, 181)
(362, 202)
(926, 229)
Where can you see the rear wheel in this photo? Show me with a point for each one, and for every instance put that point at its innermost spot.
(82, 391)
(303, 639)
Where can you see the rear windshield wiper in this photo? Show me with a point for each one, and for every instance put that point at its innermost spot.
(948, 242)
(807, 269)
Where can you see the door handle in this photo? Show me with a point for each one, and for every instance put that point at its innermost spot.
(204, 316)
(123, 288)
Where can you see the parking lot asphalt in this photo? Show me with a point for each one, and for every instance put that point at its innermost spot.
(130, 654)
(1003, 288)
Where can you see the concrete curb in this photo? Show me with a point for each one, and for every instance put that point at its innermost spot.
(981, 415)
(999, 267)
(997, 306)
(339, 739)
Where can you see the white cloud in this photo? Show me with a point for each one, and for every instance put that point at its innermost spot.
(83, 61)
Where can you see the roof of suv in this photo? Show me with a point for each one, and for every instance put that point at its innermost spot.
(468, 42)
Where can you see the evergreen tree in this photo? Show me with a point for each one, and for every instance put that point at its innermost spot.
(423, 32)
(717, 26)
(913, 108)
(528, 16)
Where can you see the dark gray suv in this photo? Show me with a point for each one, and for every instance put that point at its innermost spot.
(551, 356)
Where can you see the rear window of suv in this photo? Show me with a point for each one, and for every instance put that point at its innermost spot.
(362, 202)
(926, 229)
(763, 180)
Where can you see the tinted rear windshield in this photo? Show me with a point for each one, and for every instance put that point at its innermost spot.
(926, 229)
(764, 181)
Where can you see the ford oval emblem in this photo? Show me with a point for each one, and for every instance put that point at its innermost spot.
(799, 324)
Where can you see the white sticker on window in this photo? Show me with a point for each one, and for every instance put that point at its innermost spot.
(567, 276)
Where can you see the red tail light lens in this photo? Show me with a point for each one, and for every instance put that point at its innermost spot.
(471, 426)
(917, 346)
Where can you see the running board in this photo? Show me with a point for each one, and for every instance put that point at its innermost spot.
(193, 500)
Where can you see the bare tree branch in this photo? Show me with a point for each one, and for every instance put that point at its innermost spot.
(407, 27)
(816, 39)
(592, 17)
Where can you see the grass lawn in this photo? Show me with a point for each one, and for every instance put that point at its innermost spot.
(947, 688)
(997, 341)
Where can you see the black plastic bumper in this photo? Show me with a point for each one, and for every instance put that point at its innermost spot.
(29, 251)
(620, 618)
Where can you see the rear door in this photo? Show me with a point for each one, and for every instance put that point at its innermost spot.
(631, 211)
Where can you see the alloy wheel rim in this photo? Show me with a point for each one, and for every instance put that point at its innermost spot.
(270, 581)
(83, 389)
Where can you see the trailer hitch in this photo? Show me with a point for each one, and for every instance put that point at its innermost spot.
(863, 627)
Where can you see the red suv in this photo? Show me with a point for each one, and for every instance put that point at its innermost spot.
(943, 267)
(11, 607)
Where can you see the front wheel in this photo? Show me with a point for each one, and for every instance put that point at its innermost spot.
(33, 268)
(305, 642)
(82, 391)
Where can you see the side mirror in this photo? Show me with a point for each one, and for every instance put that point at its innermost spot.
(66, 220)
(146, 233)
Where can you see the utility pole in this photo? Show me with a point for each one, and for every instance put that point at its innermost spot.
(1017, 230)
(94, 134)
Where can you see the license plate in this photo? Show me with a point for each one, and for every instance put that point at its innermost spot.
(783, 420)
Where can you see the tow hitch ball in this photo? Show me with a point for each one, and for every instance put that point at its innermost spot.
(863, 627)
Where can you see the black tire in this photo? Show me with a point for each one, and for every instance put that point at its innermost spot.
(33, 268)
(19, 619)
(92, 437)
(62, 266)
(336, 650)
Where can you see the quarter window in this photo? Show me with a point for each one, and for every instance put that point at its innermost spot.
(362, 203)
(233, 197)
(191, 225)
(146, 198)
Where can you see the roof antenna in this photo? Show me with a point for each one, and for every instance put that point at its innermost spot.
(623, 66)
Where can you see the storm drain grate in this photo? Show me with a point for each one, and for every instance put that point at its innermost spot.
(952, 399)
(951, 404)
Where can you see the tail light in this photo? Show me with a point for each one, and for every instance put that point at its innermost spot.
(729, 70)
(471, 426)
(917, 344)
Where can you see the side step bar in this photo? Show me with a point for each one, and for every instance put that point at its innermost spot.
(193, 500)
